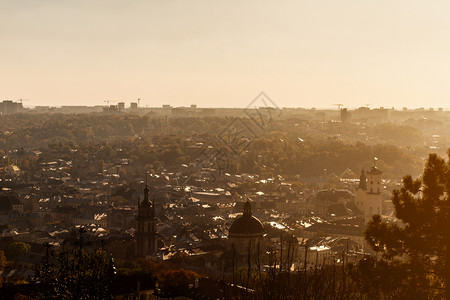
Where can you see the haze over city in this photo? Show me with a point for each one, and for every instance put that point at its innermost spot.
(224, 149)
(222, 53)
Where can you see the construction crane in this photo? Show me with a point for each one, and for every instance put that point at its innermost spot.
(21, 100)
(338, 105)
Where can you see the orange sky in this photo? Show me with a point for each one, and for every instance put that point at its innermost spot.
(223, 53)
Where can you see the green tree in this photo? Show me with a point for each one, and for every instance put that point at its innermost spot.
(18, 248)
(421, 242)
(177, 280)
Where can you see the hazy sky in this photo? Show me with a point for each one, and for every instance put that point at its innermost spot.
(223, 53)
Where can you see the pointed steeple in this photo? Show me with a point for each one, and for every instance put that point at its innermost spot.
(146, 201)
(146, 190)
(247, 208)
(146, 240)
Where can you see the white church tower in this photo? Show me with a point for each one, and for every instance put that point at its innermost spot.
(368, 197)
(374, 198)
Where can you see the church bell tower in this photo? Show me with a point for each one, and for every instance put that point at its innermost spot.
(374, 198)
(146, 236)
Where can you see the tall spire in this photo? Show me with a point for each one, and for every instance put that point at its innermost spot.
(146, 235)
(247, 208)
(146, 190)
(146, 201)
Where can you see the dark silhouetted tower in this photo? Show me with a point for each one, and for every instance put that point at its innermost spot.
(146, 235)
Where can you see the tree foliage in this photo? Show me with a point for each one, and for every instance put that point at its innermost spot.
(420, 242)
(18, 248)
(74, 274)
(291, 146)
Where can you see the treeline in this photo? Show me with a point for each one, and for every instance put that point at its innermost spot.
(38, 130)
(266, 156)
(270, 147)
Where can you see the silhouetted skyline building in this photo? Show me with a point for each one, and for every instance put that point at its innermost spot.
(146, 235)
(8, 107)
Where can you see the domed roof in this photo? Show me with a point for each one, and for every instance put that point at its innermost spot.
(247, 224)
(374, 171)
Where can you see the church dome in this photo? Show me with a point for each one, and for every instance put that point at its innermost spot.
(247, 223)
(374, 171)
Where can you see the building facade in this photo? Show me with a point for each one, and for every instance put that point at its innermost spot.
(374, 198)
(368, 196)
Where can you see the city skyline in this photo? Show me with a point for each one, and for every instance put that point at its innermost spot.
(222, 54)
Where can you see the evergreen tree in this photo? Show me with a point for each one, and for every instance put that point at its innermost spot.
(420, 243)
